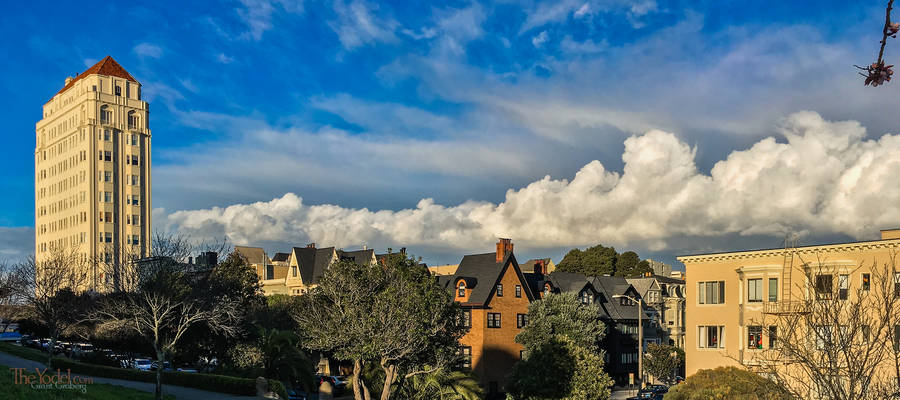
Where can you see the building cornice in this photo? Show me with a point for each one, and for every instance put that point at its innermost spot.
(803, 250)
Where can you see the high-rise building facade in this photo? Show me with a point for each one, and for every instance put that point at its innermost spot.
(92, 170)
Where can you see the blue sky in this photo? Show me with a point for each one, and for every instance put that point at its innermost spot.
(364, 109)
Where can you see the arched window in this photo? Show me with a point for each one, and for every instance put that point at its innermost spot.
(462, 289)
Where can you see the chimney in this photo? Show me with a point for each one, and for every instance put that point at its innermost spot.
(539, 267)
(504, 247)
(311, 245)
(403, 250)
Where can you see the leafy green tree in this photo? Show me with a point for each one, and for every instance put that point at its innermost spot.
(593, 261)
(600, 260)
(440, 384)
(663, 361)
(563, 359)
(394, 314)
(560, 369)
(727, 383)
(283, 359)
(562, 315)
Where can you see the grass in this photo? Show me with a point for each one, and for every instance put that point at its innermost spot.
(23, 352)
(94, 391)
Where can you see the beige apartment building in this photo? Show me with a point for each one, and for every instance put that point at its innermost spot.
(92, 170)
(734, 297)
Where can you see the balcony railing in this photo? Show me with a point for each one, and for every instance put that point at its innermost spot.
(785, 307)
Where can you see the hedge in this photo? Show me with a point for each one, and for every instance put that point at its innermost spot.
(213, 383)
(210, 382)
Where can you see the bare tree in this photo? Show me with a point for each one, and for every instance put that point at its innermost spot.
(837, 342)
(11, 302)
(168, 301)
(52, 286)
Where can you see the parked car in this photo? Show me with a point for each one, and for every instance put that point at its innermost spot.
(167, 366)
(82, 349)
(296, 395)
(339, 381)
(141, 364)
(661, 389)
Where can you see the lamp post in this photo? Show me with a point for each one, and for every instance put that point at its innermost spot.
(640, 335)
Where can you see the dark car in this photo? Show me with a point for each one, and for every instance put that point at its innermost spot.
(648, 396)
(661, 389)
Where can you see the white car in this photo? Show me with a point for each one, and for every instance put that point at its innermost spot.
(141, 364)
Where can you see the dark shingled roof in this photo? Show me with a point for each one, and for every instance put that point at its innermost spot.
(568, 281)
(610, 286)
(481, 272)
(281, 256)
(359, 256)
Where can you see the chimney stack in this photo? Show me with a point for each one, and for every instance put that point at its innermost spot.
(504, 247)
(539, 267)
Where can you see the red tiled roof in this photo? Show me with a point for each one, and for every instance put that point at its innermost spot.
(106, 66)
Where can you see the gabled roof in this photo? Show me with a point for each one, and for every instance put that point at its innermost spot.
(485, 272)
(106, 66)
(254, 255)
(643, 285)
(568, 281)
(281, 257)
(610, 286)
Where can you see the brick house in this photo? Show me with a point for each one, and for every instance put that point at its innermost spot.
(494, 295)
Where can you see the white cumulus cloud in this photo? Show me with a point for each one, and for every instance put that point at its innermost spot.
(822, 177)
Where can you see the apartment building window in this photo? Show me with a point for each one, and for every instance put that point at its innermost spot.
(823, 286)
(101, 155)
(107, 176)
(461, 292)
(134, 140)
(467, 318)
(118, 90)
(521, 320)
(134, 200)
(712, 292)
(465, 357)
(107, 155)
(108, 237)
(493, 320)
(754, 337)
(518, 290)
(108, 216)
(773, 336)
(106, 135)
(773, 289)
(135, 241)
(823, 336)
(866, 282)
(843, 286)
(499, 290)
(896, 337)
(754, 290)
(711, 337)
(135, 219)
(134, 180)
(897, 284)
(107, 197)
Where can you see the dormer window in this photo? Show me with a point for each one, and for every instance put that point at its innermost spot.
(586, 297)
(625, 301)
(462, 289)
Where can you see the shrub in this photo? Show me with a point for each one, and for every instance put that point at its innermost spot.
(727, 383)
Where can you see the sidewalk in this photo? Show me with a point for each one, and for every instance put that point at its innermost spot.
(180, 393)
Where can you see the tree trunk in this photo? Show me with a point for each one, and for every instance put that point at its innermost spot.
(390, 373)
(50, 347)
(358, 385)
(160, 359)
